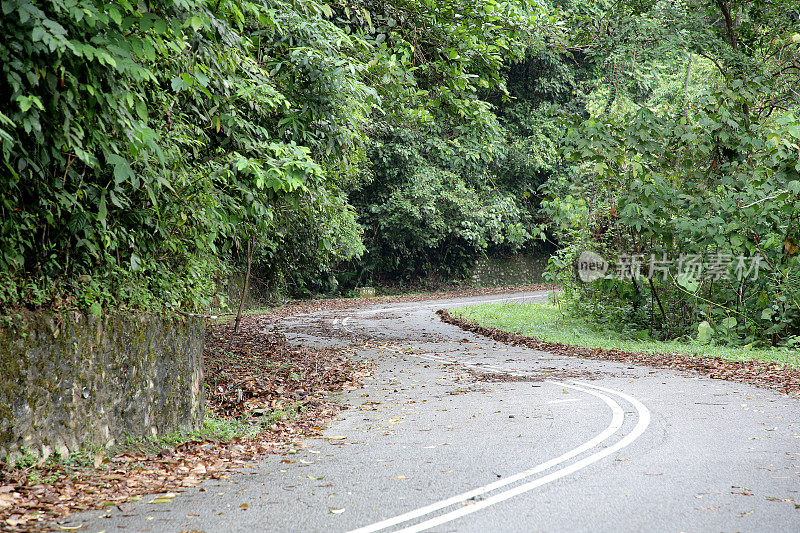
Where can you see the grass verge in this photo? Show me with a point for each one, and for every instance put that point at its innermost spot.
(547, 323)
(217, 430)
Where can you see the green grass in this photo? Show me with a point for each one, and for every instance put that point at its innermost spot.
(289, 413)
(213, 429)
(35, 470)
(548, 324)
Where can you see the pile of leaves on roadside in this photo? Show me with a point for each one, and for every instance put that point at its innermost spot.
(32, 498)
(761, 373)
(276, 390)
(257, 372)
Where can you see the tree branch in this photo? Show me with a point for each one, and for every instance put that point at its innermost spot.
(729, 22)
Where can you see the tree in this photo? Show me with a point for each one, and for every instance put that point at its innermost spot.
(707, 168)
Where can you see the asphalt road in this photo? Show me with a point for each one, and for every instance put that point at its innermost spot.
(456, 432)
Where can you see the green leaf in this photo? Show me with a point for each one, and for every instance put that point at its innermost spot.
(102, 209)
(195, 22)
(141, 110)
(136, 263)
(96, 309)
(160, 26)
(178, 84)
(122, 169)
(704, 332)
(687, 282)
(26, 102)
(114, 14)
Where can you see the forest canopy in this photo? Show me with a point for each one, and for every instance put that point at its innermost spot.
(142, 142)
(146, 145)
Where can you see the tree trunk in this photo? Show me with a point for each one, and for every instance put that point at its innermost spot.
(250, 245)
(686, 86)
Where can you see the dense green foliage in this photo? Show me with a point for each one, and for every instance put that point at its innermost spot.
(429, 192)
(146, 147)
(141, 144)
(426, 217)
(144, 144)
(690, 155)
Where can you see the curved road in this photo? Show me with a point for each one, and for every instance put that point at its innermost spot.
(456, 432)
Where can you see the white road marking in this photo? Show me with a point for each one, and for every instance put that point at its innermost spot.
(617, 418)
(641, 426)
(564, 401)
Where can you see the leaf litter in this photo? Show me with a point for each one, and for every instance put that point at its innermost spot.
(256, 375)
(766, 374)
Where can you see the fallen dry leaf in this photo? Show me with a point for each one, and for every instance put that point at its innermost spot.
(254, 369)
(785, 500)
(767, 374)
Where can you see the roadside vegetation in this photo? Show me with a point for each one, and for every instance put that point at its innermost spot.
(149, 150)
(686, 175)
(551, 323)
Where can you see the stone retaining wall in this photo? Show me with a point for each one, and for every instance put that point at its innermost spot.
(514, 270)
(76, 380)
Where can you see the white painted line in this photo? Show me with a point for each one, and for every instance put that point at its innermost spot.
(564, 401)
(428, 357)
(617, 418)
(641, 426)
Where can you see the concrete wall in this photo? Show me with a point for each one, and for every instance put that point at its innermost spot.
(74, 380)
(514, 270)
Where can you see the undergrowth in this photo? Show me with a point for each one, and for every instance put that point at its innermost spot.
(546, 322)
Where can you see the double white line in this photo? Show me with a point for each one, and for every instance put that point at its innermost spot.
(617, 418)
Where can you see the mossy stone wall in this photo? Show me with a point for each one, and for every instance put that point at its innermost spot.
(514, 270)
(74, 380)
